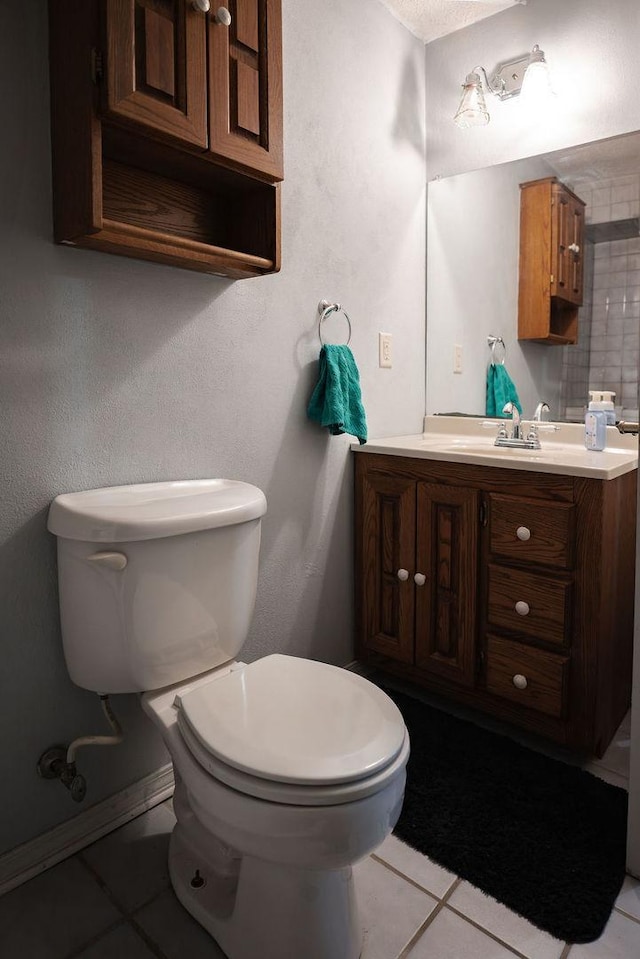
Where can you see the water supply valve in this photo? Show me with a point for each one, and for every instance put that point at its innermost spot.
(53, 765)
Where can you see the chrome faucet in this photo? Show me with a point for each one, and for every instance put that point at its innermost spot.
(517, 440)
(516, 430)
(541, 409)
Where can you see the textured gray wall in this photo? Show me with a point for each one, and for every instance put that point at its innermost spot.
(114, 371)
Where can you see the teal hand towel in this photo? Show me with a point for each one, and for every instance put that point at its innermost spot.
(336, 401)
(500, 391)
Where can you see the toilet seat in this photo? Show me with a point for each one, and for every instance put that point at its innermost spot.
(294, 731)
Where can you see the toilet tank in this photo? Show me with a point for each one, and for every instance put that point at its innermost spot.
(157, 581)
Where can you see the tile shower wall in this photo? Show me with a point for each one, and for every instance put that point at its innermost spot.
(607, 354)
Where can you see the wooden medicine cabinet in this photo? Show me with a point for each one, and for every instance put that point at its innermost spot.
(551, 262)
(167, 131)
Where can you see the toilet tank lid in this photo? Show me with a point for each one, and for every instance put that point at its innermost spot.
(119, 514)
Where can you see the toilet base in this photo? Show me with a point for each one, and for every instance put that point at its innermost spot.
(254, 908)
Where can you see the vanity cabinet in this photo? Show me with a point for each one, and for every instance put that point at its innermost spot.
(167, 131)
(551, 262)
(504, 590)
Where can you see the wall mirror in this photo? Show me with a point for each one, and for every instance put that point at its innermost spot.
(472, 284)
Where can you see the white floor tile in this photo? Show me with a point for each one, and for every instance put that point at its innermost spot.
(629, 898)
(133, 860)
(413, 864)
(121, 943)
(450, 937)
(620, 940)
(175, 931)
(504, 924)
(391, 909)
(54, 913)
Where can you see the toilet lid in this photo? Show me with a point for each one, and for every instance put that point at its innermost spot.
(295, 721)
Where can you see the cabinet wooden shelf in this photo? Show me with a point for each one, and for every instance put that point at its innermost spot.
(140, 167)
(551, 262)
(506, 591)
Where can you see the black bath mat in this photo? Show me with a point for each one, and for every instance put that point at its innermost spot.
(545, 838)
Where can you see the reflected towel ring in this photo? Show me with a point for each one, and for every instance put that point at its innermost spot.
(492, 342)
(325, 309)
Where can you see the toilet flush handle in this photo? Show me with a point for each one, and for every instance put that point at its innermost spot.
(108, 558)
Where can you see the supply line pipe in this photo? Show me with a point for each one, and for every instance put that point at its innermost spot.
(114, 740)
(59, 762)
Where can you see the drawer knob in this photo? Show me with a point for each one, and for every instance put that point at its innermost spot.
(522, 608)
(202, 6)
(523, 533)
(520, 681)
(403, 575)
(419, 579)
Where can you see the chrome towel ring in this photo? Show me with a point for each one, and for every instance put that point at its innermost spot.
(325, 309)
(492, 342)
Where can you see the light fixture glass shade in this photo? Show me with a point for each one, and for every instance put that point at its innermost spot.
(536, 83)
(472, 111)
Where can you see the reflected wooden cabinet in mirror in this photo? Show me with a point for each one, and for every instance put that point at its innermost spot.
(506, 591)
(551, 262)
(167, 131)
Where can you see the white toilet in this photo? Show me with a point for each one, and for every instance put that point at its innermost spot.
(287, 771)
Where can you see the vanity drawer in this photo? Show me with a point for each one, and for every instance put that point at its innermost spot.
(528, 676)
(531, 531)
(536, 606)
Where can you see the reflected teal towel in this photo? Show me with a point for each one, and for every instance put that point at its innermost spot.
(336, 401)
(500, 391)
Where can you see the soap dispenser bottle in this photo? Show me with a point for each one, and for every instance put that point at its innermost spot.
(595, 423)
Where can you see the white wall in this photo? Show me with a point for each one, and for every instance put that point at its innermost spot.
(592, 50)
(472, 291)
(117, 371)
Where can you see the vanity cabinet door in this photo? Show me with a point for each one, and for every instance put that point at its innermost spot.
(567, 230)
(387, 545)
(156, 67)
(447, 556)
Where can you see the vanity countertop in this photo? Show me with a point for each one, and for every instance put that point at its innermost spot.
(461, 439)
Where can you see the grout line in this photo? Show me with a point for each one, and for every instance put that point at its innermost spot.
(627, 915)
(412, 882)
(565, 952)
(432, 915)
(79, 950)
(146, 938)
(487, 932)
(113, 898)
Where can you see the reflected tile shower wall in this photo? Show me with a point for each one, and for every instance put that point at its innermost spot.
(610, 317)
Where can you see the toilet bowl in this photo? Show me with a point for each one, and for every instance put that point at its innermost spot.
(288, 771)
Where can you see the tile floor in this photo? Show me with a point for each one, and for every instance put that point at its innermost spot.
(113, 901)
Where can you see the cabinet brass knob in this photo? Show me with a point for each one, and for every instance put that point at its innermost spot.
(520, 681)
(223, 17)
(523, 533)
(522, 608)
(419, 579)
(403, 575)
(202, 6)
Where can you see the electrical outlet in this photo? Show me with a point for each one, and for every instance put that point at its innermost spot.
(385, 352)
(457, 358)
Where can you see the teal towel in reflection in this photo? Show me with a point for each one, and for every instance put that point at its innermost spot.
(336, 401)
(500, 391)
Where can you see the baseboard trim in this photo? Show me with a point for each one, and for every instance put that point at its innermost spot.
(33, 857)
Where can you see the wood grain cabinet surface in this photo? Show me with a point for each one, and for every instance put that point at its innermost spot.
(507, 591)
(167, 131)
(551, 262)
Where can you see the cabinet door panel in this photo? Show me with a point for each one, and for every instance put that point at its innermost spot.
(447, 555)
(245, 86)
(388, 517)
(156, 67)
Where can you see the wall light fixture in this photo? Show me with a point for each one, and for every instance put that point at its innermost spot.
(528, 76)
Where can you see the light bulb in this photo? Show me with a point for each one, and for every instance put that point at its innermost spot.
(536, 83)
